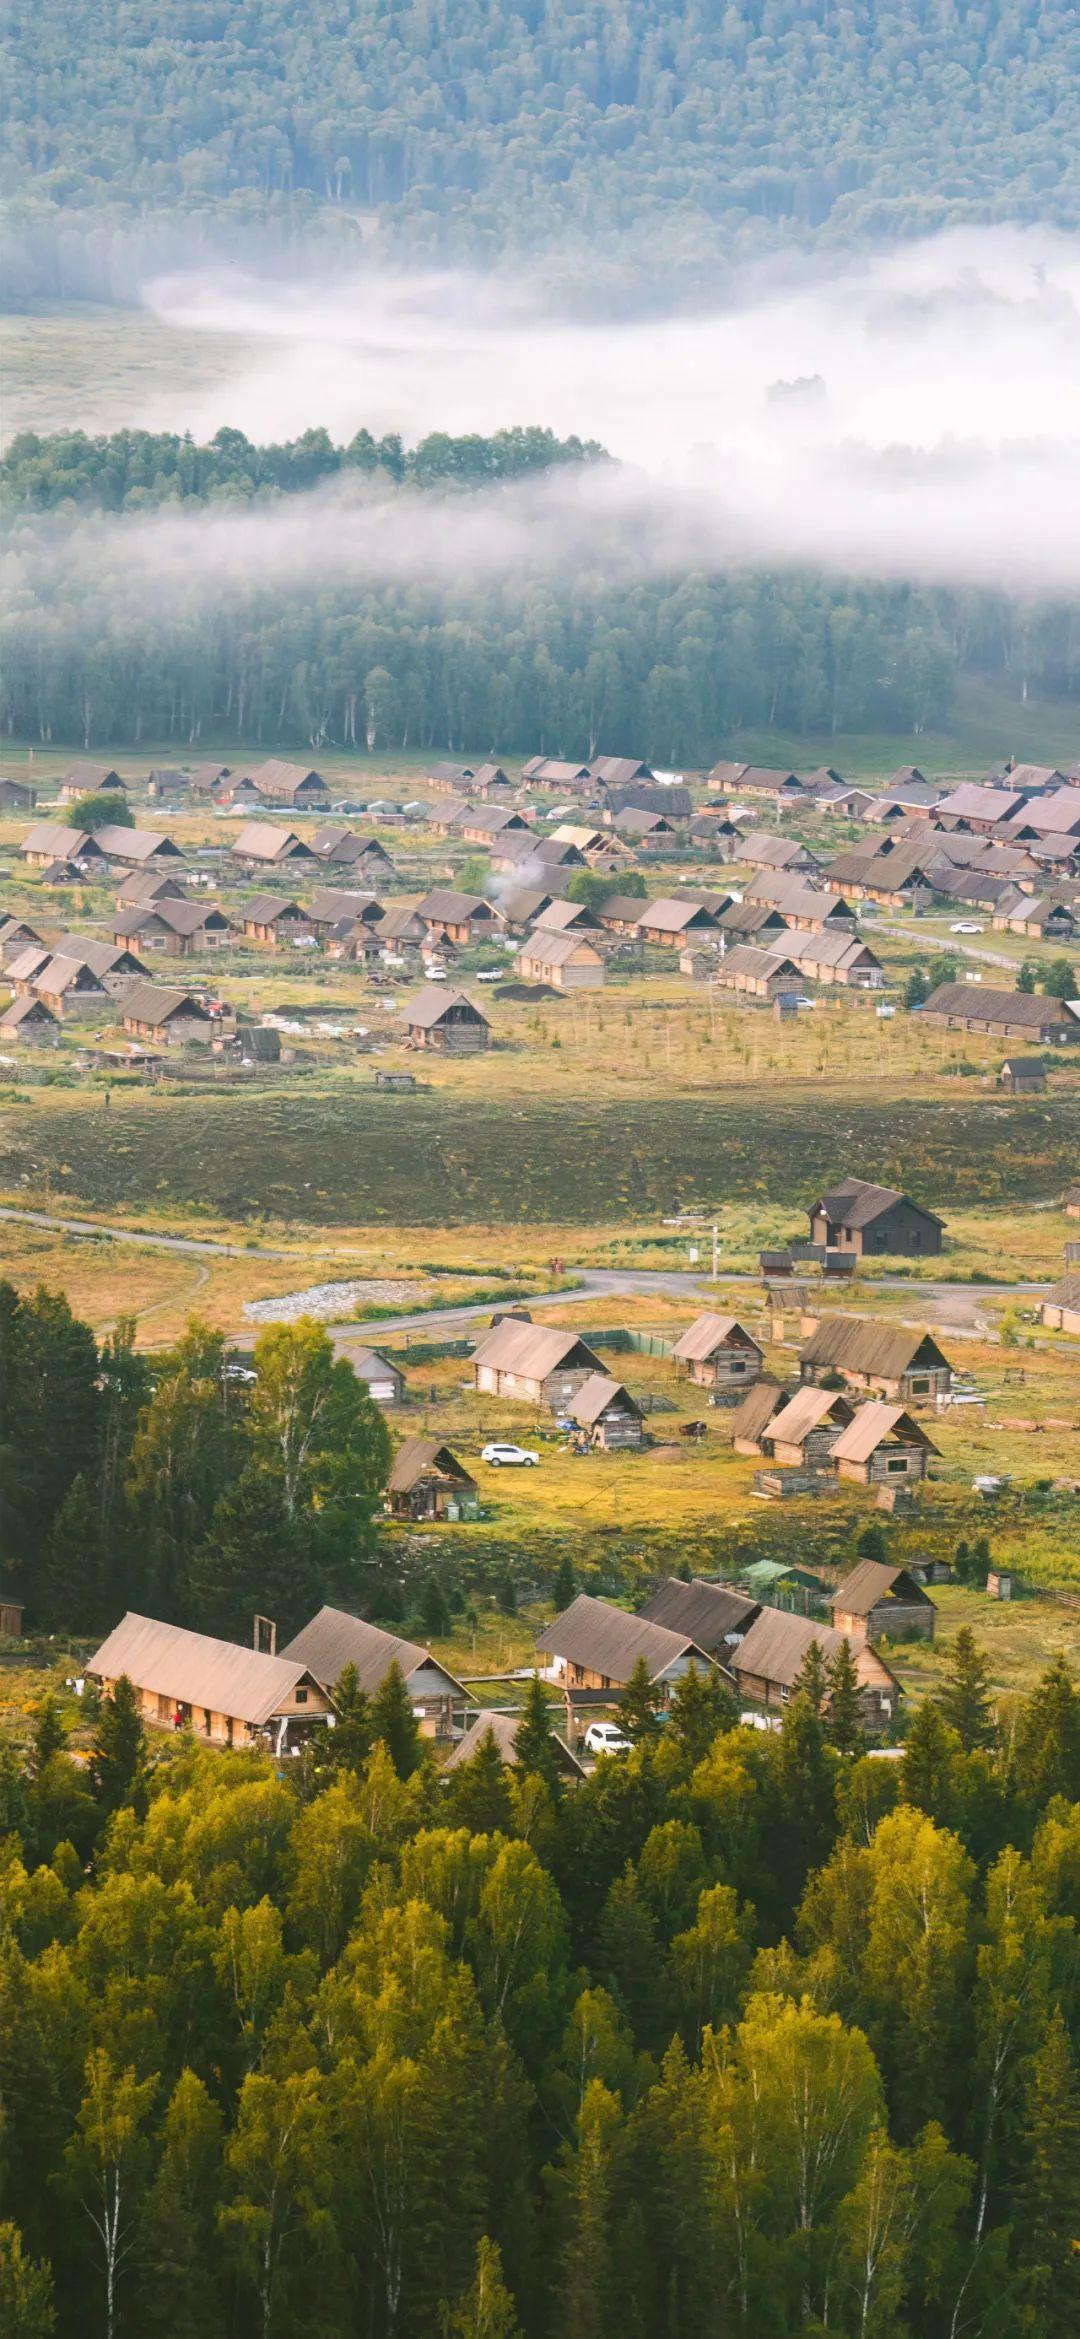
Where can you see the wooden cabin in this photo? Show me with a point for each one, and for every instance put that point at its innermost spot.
(165, 1016)
(877, 1602)
(870, 1220)
(750, 1421)
(271, 919)
(869, 1354)
(30, 1023)
(766, 1665)
(715, 1618)
(593, 1646)
(288, 783)
(428, 1482)
(464, 918)
(334, 1639)
(882, 1446)
(718, 1353)
(568, 961)
(225, 1693)
(178, 929)
(503, 1729)
(802, 1433)
(606, 1416)
(535, 1364)
(447, 1020)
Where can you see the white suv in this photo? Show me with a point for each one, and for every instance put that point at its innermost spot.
(505, 1457)
(606, 1738)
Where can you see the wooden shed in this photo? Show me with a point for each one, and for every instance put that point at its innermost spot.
(535, 1364)
(718, 1353)
(448, 1020)
(877, 1602)
(765, 1667)
(169, 1017)
(869, 1354)
(271, 919)
(858, 1216)
(568, 961)
(749, 1423)
(428, 1482)
(803, 1432)
(29, 1022)
(606, 1415)
(881, 1446)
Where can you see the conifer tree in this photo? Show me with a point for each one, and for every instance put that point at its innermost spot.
(844, 1717)
(487, 2309)
(964, 1701)
(177, 2252)
(118, 1761)
(1046, 1747)
(434, 1609)
(26, 2291)
(534, 1739)
(49, 1737)
(812, 1680)
(636, 1705)
(701, 1706)
(1048, 2220)
(394, 1722)
(479, 1794)
(928, 1768)
(562, 1590)
(587, 2270)
(348, 1744)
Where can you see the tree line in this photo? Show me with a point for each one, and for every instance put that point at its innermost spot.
(650, 143)
(747, 2034)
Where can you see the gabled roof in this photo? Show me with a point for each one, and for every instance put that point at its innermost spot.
(263, 840)
(547, 948)
(872, 1581)
(102, 958)
(179, 917)
(61, 974)
(670, 916)
(63, 843)
(596, 1396)
(25, 1011)
(985, 1005)
(137, 844)
(419, 1457)
(605, 1640)
(618, 771)
(746, 959)
(157, 1003)
(872, 1426)
(504, 1729)
(277, 778)
(1065, 1294)
(533, 1350)
(197, 1670)
(334, 1639)
(433, 1002)
(771, 852)
(709, 1332)
(264, 909)
(857, 1202)
(974, 803)
(558, 916)
(830, 950)
(808, 1410)
(707, 1612)
(777, 1643)
(448, 907)
(865, 1345)
(760, 1404)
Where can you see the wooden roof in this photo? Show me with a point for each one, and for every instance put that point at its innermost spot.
(533, 1350)
(858, 1202)
(709, 1332)
(418, 1458)
(864, 1344)
(334, 1639)
(775, 1648)
(605, 1640)
(758, 1408)
(806, 1411)
(157, 1003)
(197, 1670)
(596, 1396)
(434, 1002)
(873, 1581)
(504, 1729)
(706, 1612)
(979, 1003)
(874, 1425)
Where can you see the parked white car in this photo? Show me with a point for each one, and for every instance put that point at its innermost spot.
(966, 926)
(606, 1738)
(507, 1457)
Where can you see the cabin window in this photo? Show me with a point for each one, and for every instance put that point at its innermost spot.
(896, 1464)
(301, 1697)
(920, 1388)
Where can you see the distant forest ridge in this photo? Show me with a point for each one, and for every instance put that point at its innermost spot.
(134, 470)
(679, 134)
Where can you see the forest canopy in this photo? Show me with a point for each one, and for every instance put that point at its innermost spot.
(671, 138)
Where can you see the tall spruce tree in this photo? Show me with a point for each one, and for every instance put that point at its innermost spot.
(394, 1722)
(637, 1705)
(534, 1738)
(964, 1699)
(118, 1760)
(1048, 2206)
(843, 1724)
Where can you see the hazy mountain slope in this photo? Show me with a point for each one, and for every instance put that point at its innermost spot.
(687, 130)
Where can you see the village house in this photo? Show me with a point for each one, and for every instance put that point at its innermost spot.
(759, 974)
(867, 1219)
(447, 1020)
(535, 1364)
(837, 958)
(1043, 917)
(138, 886)
(178, 928)
(90, 779)
(881, 1446)
(756, 783)
(113, 963)
(621, 914)
(1023, 1075)
(165, 1016)
(334, 1639)
(523, 905)
(271, 919)
(288, 783)
(331, 909)
(137, 848)
(898, 879)
(545, 771)
(487, 824)
(669, 924)
(802, 1433)
(590, 841)
(166, 782)
(227, 1694)
(381, 1374)
(758, 1408)
(766, 1666)
(502, 1729)
(535, 854)
(16, 936)
(263, 845)
(341, 848)
(620, 771)
(30, 1022)
(876, 1602)
(717, 1353)
(713, 1617)
(1060, 1310)
(428, 1482)
(649, 832)
(606, 1416)
(68, 986)
(464, 918)
(16, 797)
(568, 961)
(762, 850)
(208, 779)
(757, 922)
(566, 917)
(49, 841)
(889, 1358)
(1007, 1015)
(593, 1646)
(402, 934)
(805, 906)
(711, 831)
(978, 811)
(1057, 815)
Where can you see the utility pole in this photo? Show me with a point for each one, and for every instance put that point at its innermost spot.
(715, 1251)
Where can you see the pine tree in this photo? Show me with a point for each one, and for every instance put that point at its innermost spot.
(629, 1959)
(534, 1738)
(701, 1706)
(636, 1705)
(928, 1768)
(26, 2307)
(479, 1796)
(177, 2253)
(587, 2270)
(964, 1700)
(394, 1722)
(844, 1717)
(434, 1610)
(562, 1590)
(259, 1559)
(487, 2309)
(118, 1761)
(49, 1738)
(348, 1744)
(812, 1681)
(1046, 1747)
(1048, 2219)
(870, 1542)
(806, 1794)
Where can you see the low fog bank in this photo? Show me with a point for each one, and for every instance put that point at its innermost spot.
(915, 413)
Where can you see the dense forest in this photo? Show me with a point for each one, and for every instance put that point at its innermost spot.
(746, 2034)
(111, 636)
(673, 138)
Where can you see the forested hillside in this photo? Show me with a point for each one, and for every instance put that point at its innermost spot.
(686, 131)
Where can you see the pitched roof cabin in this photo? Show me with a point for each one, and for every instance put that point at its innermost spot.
(669, 922)
(91, 779)
(68, 985)
(606, 1415)
(289, 783)
(428, 1482)
(441, 1018)
(857, 1216)
(334, 1639)
(262, 844)
(766, 1665)
(807, 907)
(16, 936)
(568, 961)
(751, 1419)
(836, 958)
(271, 918)
(50, 841)
(546, 771)
(331, 907)
(179, 928)
(715, 1618)
(225, 1693)
(756, 781)
(503, 1729)
(342, 848)
(882, 1446)
(381, 1374)
(755, 921)
(1009, 1015)
(137, 848)
(870, 1354)
(802, 1433)
(595, 1646)
(877, 1602)
(150, 885)
(756, 973)
(463, 917)
(765, 851)
(718, 1353)
(30, 1021)
(15, 796)
(536, 1364)
(170, 1017)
